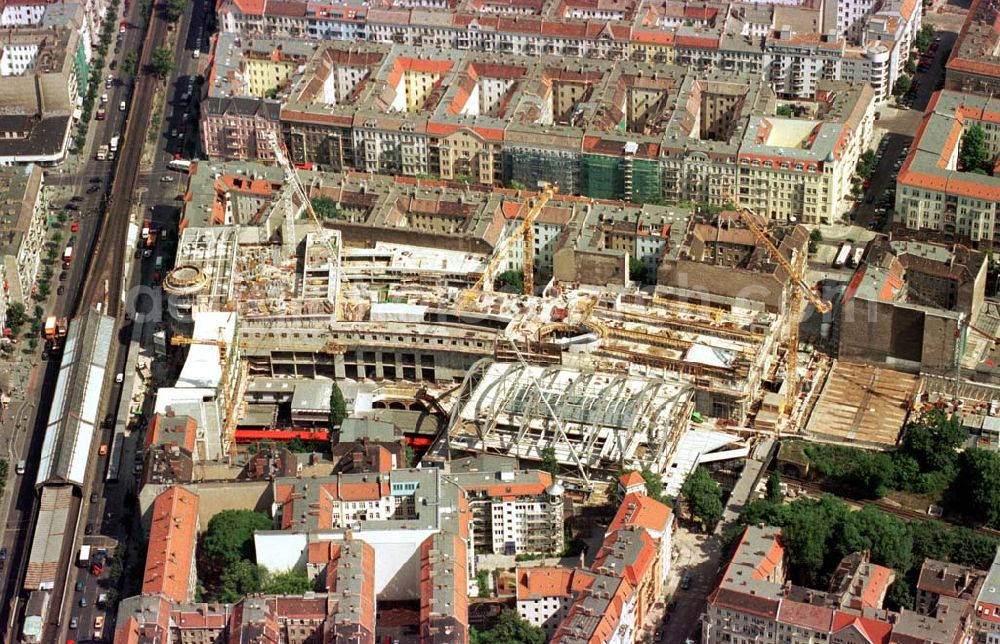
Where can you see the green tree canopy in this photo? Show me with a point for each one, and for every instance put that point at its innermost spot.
(974, 154)
(933, 440)
(229, 536)
(175, 9)
(509, 629)
(338, 407)
(703, 497)
(654, 486)
(976, 490)
(163, 62)
(902, 86)
(549, 462)
(510, 279)
(774, 494)
(238, 580)
(287, 583)
(325, 207)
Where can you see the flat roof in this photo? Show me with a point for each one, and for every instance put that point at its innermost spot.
(863, 404)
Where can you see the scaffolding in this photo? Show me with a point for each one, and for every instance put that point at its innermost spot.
(647, 181)
(601, 177)
(529, 167)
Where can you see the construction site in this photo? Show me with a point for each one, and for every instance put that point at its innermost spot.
(577, 357)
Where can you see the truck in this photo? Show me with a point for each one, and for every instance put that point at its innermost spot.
(55, 331)
(102, 153)
(67, 256)
(181, 165)
(114, 143)
(842, 255)
(84, 559)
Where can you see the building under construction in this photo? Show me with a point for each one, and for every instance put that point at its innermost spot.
(596, 423)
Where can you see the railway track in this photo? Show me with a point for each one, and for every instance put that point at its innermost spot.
(881, 504)
(104, 269)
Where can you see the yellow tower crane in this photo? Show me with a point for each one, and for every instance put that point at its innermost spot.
(501, 252)
(796, 272)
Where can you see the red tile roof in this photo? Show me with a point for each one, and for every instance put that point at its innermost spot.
(642, 511)
(172, 538)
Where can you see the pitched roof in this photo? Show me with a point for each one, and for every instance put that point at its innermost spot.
(172, 538)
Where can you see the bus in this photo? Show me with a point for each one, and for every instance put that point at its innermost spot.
(842, 255)
(181, 165)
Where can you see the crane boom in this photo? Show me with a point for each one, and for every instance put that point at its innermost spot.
(799, 288)
(501, 252)
(794, 273)
(292, 179)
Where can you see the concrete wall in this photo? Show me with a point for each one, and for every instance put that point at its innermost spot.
(723, 280)
(882, 332)
(213, 498)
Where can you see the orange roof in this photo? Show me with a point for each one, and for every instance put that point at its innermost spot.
(631, 479)
(520, 486)
(642, 511)
(551, 581)
(172, 538)
(190, 431)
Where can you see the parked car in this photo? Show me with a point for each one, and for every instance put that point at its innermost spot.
(92, 189)
(686, 581)
(79, 586)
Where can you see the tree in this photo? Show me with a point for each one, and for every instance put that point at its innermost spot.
(550, 463)
(654, 486)
(509, 629)
(815, 235)
(513, 280)
(15, 315)
(902, 86)
(924, 38)
(932, 440)
(287, 583)
(163, 62)
(130, 64)
(774, 494)
(483, 582)
(976, 490)
(784, 110)
(911, 67)
(325, 207)
(638, 271)
(239, 579)
(703, 497)
(973, 153)
(338, 407)
(867, 163)
(229, 536)
(899, 595)
(175, 9)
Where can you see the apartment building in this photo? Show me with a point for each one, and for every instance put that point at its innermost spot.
(753, 600)
(514, 511)
(22, 226)
(626, 130)
(246, 77)
(987, 611)
(43, 71)
(933, 193)
(610, 601)
(908, 303)
(721, 256)
(974, 63)
(715, 35)
(170, 559)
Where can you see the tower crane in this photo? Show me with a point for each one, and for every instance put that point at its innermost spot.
(292, 179)
(500, 253)
(800, 288)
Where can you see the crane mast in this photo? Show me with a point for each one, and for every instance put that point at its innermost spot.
(292, 179)
(800, 288)
(501, 252)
